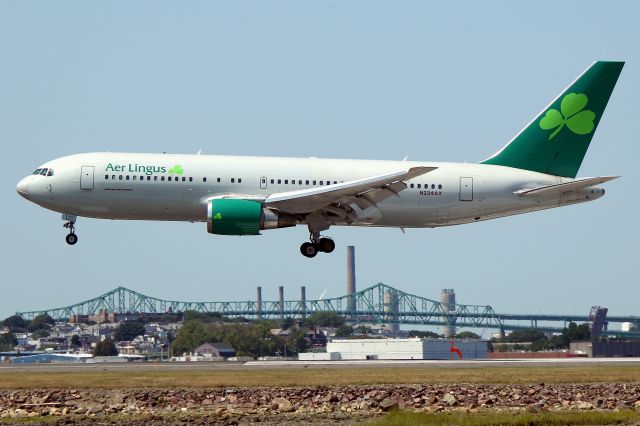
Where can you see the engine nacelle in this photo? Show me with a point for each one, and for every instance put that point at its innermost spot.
(228, 216)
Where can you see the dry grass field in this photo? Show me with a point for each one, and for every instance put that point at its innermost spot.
(495, 418)
(314, 376)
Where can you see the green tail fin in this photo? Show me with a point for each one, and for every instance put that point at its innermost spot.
(556, 141)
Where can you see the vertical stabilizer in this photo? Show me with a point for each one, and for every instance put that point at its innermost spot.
(556, 141)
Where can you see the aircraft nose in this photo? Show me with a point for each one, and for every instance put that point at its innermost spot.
(23, 188)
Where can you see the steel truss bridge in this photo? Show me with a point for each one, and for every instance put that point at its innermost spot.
(378, 304)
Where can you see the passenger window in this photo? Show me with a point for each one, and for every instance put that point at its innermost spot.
(155, 178)
(204, 179)
(306, 182)
(169, 178)
(314, 182)
(411, 185)
(135, 177)
(320, 182)
(43, 172)
(335, 182)
(162, 178)
(50, 172)
(184, 179)
(433, 186)
(141, 177)
(113, 177)
(233, 180)
(299, 182)
(119, 177)
(239, 180)
(419, 185)
(106, 177)
(272, 181)
(286, 181)
(217, 180)
(439, 186)
(190, 179)
(127, 177)
(279, 181)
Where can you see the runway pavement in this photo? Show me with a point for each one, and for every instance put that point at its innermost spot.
(286, 364)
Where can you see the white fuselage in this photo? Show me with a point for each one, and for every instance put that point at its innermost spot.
(149, 187)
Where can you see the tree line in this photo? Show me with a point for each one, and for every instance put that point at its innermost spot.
(535, 340)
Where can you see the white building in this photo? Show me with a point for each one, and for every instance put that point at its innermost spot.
(411, 348)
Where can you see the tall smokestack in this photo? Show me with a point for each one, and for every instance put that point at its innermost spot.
(391, 308)
(259, 302)
(448, 304)
(303, 301)
(281, 301)
(351, 277)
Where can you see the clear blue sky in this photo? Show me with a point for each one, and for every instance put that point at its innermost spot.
(445, 81)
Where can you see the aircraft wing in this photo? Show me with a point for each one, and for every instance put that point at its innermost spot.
(363, 192)
(564, 187)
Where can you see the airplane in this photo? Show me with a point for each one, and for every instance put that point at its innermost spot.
(237, 195)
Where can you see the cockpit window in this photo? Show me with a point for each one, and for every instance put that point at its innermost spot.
(50, 172)
(37, 172)
(43, 172)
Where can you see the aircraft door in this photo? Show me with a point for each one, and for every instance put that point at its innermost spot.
(86, 178)
(263, 182)
(466, 189)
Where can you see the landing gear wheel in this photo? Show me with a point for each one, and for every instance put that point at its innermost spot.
(326, 245)
(309, 250)
(71, 239)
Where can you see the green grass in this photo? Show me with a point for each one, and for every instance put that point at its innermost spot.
(496, 418)
(197, 377)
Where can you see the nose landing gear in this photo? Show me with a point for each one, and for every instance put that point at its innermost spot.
(71, 237)
(317, 244)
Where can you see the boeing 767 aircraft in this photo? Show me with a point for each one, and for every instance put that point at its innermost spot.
(244, 195)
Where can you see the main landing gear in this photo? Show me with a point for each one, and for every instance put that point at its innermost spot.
(71, 237)
(317, 244)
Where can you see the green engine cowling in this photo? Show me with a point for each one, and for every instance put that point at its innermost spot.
(243, 217)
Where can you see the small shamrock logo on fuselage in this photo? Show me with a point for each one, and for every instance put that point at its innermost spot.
(177, 169)
(572, 114)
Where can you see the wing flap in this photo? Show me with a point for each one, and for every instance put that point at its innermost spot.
(371, 190)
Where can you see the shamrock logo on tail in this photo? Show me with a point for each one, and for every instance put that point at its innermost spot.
(572, 114)
(177, 169)
(217, 216)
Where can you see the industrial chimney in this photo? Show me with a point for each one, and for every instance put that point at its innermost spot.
(351, 277)
(281, 301)
(303, 301)
(448, 301)
(259, 302)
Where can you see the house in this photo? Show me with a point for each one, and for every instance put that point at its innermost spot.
(215, 350)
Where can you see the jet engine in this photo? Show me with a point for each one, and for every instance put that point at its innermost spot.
(244, 217)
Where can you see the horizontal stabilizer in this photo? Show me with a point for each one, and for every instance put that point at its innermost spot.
(564, 187)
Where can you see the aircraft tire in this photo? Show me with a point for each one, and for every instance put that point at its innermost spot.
(326, 245)
(309, 250)
(71, 239)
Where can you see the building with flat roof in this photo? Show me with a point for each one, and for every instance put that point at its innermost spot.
(410, 348)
